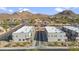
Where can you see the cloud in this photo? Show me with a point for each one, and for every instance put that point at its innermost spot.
(3, 8)
(11, 11)
(6, 10)
(60, 9)
(24, 9)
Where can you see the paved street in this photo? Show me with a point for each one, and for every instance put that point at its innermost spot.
(42, 48)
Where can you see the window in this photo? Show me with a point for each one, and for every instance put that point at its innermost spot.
(23, 39)
(59, 39)
(27, 38)
(60, 35)
(55, 35)
(19, 39)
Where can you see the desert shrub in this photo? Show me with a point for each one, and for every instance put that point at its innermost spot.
(56, 43)
(50, 44)
(14, 45)
(73, 49)
(23, 44)
(19, 44)
(7, 45)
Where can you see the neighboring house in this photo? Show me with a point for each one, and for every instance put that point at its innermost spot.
(55, 34)
(72, 32)
(25, 33)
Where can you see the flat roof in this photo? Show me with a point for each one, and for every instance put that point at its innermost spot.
(24, 29)
(72, 28)
(53, 29)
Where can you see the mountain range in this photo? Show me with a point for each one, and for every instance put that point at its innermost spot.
(66, 16)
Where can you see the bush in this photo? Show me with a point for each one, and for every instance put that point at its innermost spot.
(50, 44)
(56, 43)
(23, 44)
(19, 44)
(73, 49)
(14, 45)
(8, 45)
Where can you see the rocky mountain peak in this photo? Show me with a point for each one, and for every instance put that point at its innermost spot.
(67, 12)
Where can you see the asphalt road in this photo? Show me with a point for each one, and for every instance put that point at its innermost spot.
(35, 49)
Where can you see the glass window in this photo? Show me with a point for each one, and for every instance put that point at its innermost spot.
(55, 35)
(59, 39)
(60, 35)
(23, 39)
(19, 39)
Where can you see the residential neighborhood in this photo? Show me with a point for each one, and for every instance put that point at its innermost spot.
(25, 30)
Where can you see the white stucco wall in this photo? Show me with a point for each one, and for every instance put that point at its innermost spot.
(21, 36)
(55, 36)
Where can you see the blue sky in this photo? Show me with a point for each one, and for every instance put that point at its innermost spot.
(43, 10)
